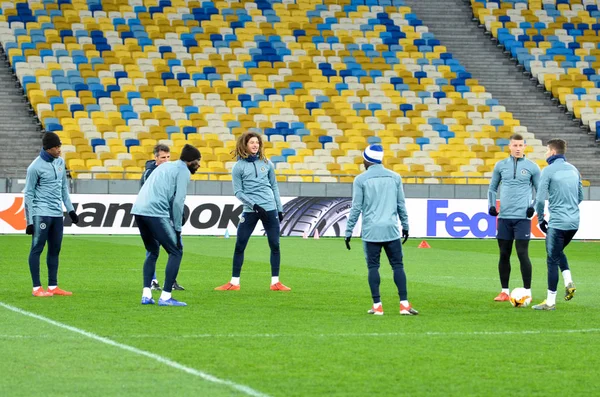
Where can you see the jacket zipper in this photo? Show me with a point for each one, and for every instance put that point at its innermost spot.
(515, 173)
(255, 170)
(55, 173)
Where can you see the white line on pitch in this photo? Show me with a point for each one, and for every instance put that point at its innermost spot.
(200, 374)
(348, 335)
(25, 336)
(368, 334)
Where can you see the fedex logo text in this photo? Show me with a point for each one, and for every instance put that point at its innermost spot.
(458, 224)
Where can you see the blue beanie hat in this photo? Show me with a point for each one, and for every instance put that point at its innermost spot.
(373, 154)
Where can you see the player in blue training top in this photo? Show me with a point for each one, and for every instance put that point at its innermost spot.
(158, 212)
(518, 176)
(46, 189)
(561, 184)
(255, 185)
(377, 193)
(162, 154)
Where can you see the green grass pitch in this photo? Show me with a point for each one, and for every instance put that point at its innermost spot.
(315, 340)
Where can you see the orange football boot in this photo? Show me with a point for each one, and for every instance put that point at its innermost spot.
(228, 287)
(502, 297)
(58, 291)
(378, 311)
(40, 293)
(408, 310)
(279, 287)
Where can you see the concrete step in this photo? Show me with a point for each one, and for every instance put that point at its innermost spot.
(12, 104)
(14, 101)
(20, 136)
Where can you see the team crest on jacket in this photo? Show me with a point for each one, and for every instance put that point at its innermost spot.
(524, 172)
(262, 169)
(59, 169)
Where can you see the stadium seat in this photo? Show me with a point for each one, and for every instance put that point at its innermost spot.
(310, 75)
(562, 58)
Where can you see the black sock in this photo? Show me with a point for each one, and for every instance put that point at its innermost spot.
(400, 281)
(523, 252)
(150, 268)
(34, 267)
(55, 235)
(172, 270)
(374, 281)
(504, 262)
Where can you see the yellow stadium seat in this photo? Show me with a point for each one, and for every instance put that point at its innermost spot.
(219, 106)
(116, 172)
(76, 165)
(295, 159)
(133, 175)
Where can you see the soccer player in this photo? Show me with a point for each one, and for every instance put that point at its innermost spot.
(377, 193)
(561, 184)
(158, 212)
(46, 189)
(255, 185)
(162, 154)
(518, 176)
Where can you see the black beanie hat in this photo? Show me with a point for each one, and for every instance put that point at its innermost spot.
(50, 140)
(189, 153)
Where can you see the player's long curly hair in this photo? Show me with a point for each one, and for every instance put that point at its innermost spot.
(241, 147)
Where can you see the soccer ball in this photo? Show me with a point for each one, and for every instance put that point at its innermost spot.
(519, 297)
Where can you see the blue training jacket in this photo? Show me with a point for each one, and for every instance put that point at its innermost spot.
(150, 166)
(254, 182)
(561, 184)
(518, 177)
(163, 194)
(46, 188)
(379, 196)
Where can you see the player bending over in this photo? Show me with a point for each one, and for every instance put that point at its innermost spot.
(158, 212)
(162, 154)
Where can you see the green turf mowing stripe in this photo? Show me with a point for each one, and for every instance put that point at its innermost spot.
(210, 378)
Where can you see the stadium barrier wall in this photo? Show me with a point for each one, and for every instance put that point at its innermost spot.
(291, 189)
(218, 215)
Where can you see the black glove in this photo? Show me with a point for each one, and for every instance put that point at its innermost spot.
(544, 226)
(492, 211)
(280, 214)
(29, 230)
(347, 240)
(179, 246)
(530, 212)
(404, 235)
(183, 219)
(260, 211)
(74, 217)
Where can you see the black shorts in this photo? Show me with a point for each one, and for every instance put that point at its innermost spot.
(514, 229)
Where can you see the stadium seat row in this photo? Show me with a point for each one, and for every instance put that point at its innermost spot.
(557, 42)
(320, 79)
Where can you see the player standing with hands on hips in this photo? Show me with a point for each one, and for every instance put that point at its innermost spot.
(561, 184)
(46, 189)
(255, 185)
(518, 176)
(377, 193)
